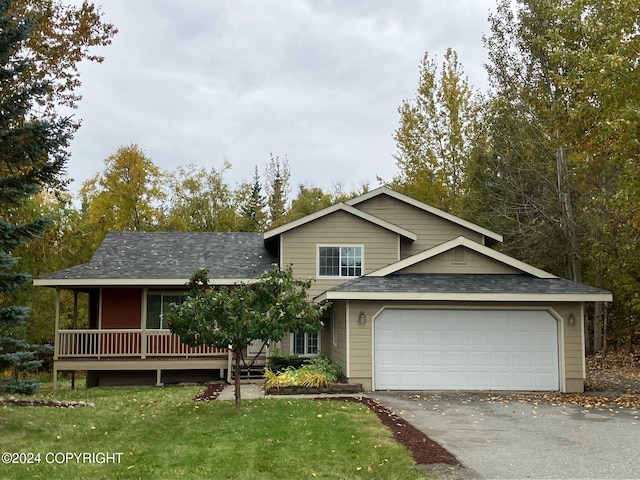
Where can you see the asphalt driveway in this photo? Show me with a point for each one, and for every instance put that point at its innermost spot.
(509, 439)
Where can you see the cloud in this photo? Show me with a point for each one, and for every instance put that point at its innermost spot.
(201, 82)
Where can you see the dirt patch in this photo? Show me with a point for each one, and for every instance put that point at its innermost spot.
(211, 392)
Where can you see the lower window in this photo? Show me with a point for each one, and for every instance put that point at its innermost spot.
(157, 304)
(305, 343)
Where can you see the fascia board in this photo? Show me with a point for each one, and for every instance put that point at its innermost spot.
(345, 208)
(417, 258)
(138, 282)
(506, 259)
(470, 297)
(427, 208)
(456, 242)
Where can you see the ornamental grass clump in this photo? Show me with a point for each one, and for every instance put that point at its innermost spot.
(319, 372)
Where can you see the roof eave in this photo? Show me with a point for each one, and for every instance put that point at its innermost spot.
(133, 282)
(469, 297)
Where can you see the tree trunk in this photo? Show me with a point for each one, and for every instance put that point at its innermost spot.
(237, 355)
(566, 206)
(605, 321)
(597, 327)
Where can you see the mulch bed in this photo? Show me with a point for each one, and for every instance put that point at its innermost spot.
(424, 450)
(210, 393)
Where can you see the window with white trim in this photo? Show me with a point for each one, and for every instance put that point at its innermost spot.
(157, 304)
(306, 344)
(339, 261)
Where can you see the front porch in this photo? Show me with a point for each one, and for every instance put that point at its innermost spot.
(136, 350)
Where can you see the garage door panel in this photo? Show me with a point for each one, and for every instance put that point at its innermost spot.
(411, 357)
(524, 359)
(466, 349)
(433, 358)
(479, 359)
(478, 380)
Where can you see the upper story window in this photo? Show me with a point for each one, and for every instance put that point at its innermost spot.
(339, 261)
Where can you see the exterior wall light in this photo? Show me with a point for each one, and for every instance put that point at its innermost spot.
(571, 320)
(362, 319)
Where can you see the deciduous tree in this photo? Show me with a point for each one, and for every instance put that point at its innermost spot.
(276, 304)
(201, 200)
(435, 135)
(127, 195)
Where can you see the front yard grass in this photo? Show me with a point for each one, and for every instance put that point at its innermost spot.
(163, 433)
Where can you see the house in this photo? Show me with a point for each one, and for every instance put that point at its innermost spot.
(420, 301)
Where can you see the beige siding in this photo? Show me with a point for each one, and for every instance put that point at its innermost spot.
(336, 353)
(430, 229)
(570, 337)
(473, 262)
(300, 245)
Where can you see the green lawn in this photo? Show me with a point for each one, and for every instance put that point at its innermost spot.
(163, 433)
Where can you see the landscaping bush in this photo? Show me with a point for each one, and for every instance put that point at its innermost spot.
(279, 362)
(317, 372)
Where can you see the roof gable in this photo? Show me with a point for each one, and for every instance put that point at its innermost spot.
(345, 208)
(495, 237)
(456, 242)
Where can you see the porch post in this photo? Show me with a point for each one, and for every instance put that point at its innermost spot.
(143, 326)
(56, 340)
(75, 326)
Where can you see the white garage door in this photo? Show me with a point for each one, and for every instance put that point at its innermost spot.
(466, 350)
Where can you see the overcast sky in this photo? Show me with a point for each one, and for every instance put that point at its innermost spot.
(318, 81)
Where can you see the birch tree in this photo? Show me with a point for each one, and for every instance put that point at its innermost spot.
(434, 138)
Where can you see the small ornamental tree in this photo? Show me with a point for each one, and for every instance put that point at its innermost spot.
(233, 317)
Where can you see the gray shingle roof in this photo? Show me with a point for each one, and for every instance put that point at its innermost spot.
(466, 283)
(173, 255)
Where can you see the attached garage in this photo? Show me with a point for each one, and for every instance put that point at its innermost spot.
(466, 349)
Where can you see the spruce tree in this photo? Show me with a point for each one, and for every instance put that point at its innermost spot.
(32, 157)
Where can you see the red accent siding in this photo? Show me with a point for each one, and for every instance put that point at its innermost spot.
(121, 307)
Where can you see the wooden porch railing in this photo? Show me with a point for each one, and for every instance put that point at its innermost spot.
(113, 343)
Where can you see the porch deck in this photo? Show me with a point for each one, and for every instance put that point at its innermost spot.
(129, 343)
(136, 350)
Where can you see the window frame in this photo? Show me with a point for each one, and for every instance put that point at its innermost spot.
(306, 344)
(339, 246)
(161, 294)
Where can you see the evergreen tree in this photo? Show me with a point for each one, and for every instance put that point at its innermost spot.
(32, 156)
(252, 209)
(278, 189)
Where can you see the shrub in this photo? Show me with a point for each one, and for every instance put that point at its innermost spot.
(317, 372)
(279, 362)
(25, 387)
